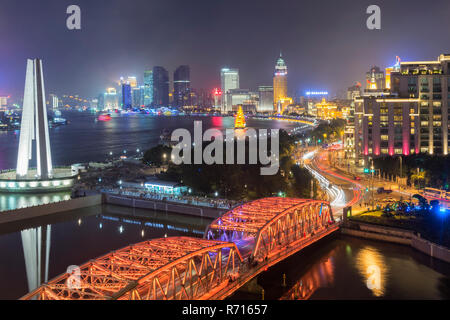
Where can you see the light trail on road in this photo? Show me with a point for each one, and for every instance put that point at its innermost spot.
(336, 193)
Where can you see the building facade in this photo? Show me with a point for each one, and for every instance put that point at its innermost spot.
(182, 87)
(127, 99)
(160, 87)
(375, 79)
(265, 99)
(279, 83)
(110, 100)
(229, 79)
(353, 92)
(148, 87)
(411, 117)
(3, 103)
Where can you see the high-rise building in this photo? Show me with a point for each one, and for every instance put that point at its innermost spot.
(229, 81)
(101, 102)
(182, 87)
(389, 70)
(217, 98)
(111, 101)
(411, 117)
(160, 87)
(137, 96)
(148, 87)
(127, 100)
(265, 99)
(54, 101)
(279, 83)
(132, 81)
(353, 92)
(3, 103)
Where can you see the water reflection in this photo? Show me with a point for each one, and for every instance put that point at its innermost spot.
(53, 243)
(372, 266)
(320, 275)
(10, 201)
(351, 268)
(36, 250)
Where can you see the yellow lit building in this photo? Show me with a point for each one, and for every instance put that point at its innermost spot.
(280, 85)
(327, 110)
(283, 103)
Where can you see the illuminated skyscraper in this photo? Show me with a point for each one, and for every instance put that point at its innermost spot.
(390, 70)
(3, 103)
(279, 82)
(132, 81)
(148, 87)
(34, 124)
(160, 87)
(137, 96)
(110, 99)
(229, 81)
(182, 87)
(54, 101)
(127, 100)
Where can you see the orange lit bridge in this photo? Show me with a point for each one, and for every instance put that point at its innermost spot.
(236, 247)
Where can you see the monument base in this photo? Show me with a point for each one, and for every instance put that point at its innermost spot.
(63, 179)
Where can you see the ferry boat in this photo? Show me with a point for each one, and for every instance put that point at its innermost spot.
(104, 117)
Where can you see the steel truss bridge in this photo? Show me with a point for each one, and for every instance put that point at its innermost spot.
(236, 247)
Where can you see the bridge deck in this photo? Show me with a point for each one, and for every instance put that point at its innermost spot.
(248, 273)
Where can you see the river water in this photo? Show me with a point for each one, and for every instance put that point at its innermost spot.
(85, 140)
(335, 268)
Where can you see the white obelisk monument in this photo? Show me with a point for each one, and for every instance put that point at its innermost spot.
(34, 125)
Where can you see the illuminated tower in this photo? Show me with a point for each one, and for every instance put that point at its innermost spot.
(182, 87)
(148, 87)
(279, 82)
(239, 121)
(34, 124)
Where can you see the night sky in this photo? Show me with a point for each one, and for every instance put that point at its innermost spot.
(326, 44)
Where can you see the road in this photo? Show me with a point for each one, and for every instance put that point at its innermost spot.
(341, 189)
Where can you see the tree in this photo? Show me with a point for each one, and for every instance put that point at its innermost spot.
(157, 155)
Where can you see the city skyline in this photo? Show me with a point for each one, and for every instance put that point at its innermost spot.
(100, 52)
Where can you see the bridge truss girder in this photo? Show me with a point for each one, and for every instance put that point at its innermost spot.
(290, 226)
(166, 268)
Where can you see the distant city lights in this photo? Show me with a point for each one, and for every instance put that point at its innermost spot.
(316, 93)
